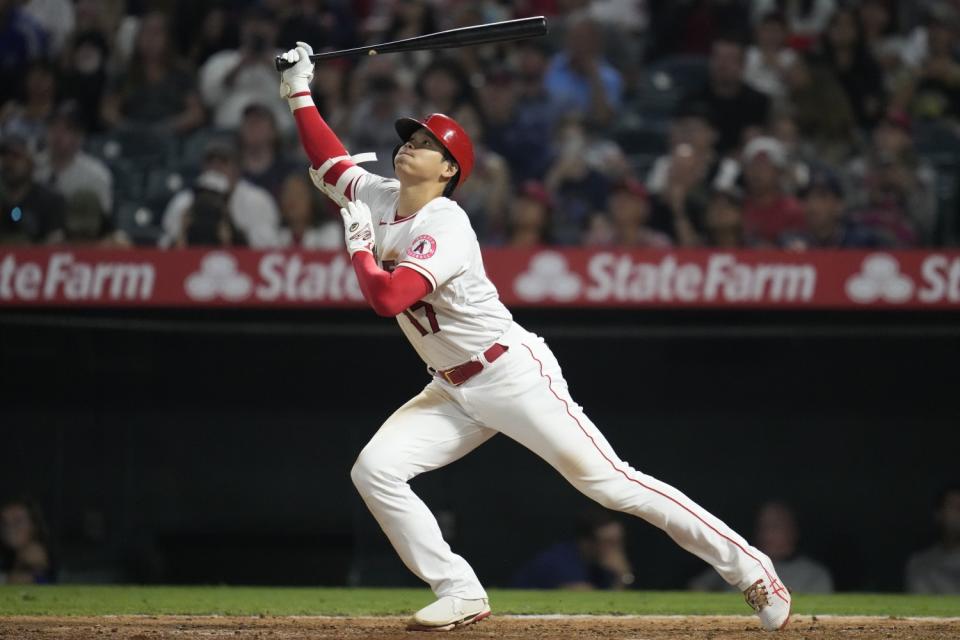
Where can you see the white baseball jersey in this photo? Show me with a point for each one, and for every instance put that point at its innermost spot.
(462, 315)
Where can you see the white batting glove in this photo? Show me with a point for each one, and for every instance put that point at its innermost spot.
(357, 227)
(297, 78)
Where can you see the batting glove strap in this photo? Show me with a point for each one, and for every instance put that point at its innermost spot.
(300, 100)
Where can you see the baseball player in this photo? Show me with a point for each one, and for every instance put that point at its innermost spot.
(417, 258)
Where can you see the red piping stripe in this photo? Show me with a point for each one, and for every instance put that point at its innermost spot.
(635, 481)
(410, 217)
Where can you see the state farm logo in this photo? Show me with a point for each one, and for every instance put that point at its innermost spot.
(218, 277)
(548, 276)
(281, 277)
(879, 279)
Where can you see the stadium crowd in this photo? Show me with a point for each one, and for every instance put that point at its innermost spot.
(721, 123)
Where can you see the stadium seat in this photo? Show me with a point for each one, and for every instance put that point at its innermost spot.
(644, 139)
(664, 83)
(136, 148)
(161, 185)
(139, 222)
(190, 149)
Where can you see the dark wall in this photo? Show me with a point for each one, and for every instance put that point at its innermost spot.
(216, 447)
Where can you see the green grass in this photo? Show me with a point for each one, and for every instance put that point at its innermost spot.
(82, 600)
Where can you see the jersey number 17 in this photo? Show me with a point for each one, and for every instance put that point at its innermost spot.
(389, 265)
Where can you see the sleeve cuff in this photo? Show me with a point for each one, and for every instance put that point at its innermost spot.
(422, 271)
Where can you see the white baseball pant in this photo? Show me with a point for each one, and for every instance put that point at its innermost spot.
(522, 395)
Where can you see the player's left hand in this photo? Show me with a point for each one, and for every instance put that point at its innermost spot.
(297, 78)
(357, 227)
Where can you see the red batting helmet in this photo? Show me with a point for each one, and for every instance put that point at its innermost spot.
(450, 134)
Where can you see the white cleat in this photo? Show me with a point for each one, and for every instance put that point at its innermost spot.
(449, 612)
(770, 602)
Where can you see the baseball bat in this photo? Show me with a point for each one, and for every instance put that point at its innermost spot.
(462, 37)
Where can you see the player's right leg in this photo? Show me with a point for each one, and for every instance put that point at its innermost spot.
(428, 432)
(526, 398)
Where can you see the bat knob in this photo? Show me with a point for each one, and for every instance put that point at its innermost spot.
(372, 52)
(282, 63)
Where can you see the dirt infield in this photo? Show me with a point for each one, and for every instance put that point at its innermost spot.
(501, 628)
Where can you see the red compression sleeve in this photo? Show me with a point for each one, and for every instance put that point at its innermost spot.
(388, 293)
(319, 141)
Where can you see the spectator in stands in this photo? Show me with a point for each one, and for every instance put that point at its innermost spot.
(800, 154)
(878, 22)
(520, 114)
(892, 187)
(85, 222)
(722, 223)
(679, 181)
(207, 221)
(371, 119)
(579, 80)
(777, 534)
(232, 79)
(477, 62)
(484, 197)
(769, 57)
(822, 111)
(22, 40)
(828, 225)
(155, 90)
(844, 52)
(578, 188)
(323, 24)
(28, 119)
(85, 61)
(208, 29)
(769, 210)
(443, 87)
(690, 28)
(31, 213)
(806, 19)
(303, 216)
(409, 19)
(690, 126)
(933, 92)
(734, 107)
(937, 568)
(530, 212)
(262, 160)
(66, 167)
(24, 544)
(330, 96)
(627, 222)
(56, 18)
(253, 211)
(596, 559)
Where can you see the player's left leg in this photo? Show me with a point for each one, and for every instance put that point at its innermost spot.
(428, 432)
(527, 399)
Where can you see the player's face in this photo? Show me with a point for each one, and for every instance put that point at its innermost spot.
(421, 158)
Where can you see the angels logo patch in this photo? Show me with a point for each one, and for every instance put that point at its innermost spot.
(422, 247)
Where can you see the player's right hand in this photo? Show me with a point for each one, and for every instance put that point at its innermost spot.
(357, 227)
(297, 78)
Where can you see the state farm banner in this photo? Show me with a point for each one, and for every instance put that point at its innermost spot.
(63, 276)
